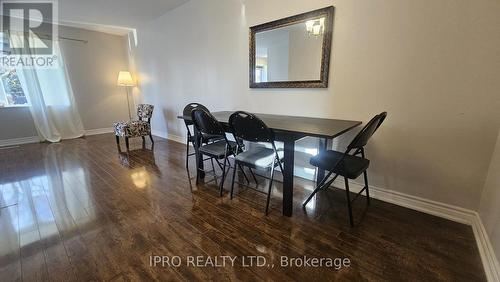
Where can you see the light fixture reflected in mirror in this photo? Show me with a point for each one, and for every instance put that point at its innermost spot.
(316, 27)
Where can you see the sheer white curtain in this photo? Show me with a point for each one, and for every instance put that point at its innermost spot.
(51, 99)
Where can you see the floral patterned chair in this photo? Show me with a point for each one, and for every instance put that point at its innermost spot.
(136, 128)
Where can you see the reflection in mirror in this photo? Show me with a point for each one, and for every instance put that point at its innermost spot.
(290, 53)
(293, 52)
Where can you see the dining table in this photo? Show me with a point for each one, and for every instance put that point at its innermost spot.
(290, 129)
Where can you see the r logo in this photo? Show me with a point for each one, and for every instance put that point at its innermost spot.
(33, 22)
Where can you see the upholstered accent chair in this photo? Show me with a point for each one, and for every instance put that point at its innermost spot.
(136, 128)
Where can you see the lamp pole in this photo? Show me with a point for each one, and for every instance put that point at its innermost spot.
(128, 104)
(125, 79)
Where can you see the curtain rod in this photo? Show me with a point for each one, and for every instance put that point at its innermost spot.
(67, 38)
(62, 37)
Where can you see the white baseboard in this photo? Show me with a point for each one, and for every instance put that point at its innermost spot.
(450, 212)
(161, 134)
(19, 141)
(175, 138)
(98, 131)
(454, 213)
(488, 257)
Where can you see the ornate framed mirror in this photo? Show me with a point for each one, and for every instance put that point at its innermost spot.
(293, 52)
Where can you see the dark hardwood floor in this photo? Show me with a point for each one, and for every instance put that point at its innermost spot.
(80, 211)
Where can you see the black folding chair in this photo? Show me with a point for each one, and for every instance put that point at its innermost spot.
(190, 137)
(208, 127)
(349, 166)
(248, 127)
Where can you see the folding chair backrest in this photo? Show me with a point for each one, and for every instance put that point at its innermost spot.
(381, 120)
(367, 132)
(189, 108)
(249, 127)
(206, 123)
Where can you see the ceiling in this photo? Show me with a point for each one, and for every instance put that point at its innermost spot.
(113, 16)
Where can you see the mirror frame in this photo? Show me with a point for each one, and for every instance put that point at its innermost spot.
(326, 50)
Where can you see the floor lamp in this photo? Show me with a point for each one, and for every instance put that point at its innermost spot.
(125, 79)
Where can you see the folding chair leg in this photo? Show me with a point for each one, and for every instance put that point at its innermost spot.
(269, 192)
(229, 166)
(232, 182)
(213, 169)
(367, 188)
(221, 188)
(244, 174)
(365, 174)
(319, 187)
(187, 154)
(253, 175)
(349, 204)
(326, 185)
(218, 163)
(197, 167)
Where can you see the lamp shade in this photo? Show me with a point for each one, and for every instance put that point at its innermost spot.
(125, 79)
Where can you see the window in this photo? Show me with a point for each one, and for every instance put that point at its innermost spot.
(260, 74)
(11, 91)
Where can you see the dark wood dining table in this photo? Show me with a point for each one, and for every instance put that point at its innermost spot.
(289, 129)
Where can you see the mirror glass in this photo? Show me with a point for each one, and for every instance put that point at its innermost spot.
(290, 53)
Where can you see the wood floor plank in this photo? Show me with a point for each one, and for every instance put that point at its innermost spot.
(10, 261)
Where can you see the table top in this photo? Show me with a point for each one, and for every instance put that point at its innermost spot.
(318, 127)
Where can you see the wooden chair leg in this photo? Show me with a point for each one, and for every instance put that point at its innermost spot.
(127, 144)
(118, 144)
(151, 137)
(349, 204)
(143, 142)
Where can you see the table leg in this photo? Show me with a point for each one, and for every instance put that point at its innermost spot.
(289, 154)
(323, 144)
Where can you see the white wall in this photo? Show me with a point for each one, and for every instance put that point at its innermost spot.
(21, 117)
(93, 69)
(433, 65)
(489, 209)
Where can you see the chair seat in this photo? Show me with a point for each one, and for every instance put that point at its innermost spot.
(218, 149)
(351, 166)
(207, 138)
(136, 128)
(258, 157)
